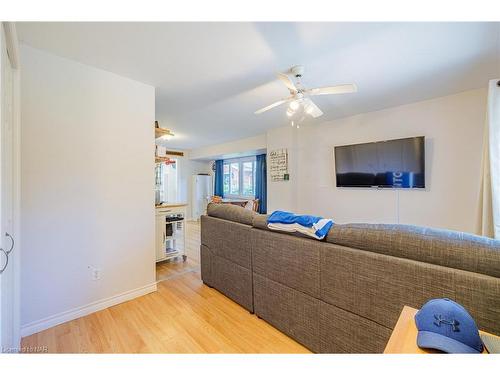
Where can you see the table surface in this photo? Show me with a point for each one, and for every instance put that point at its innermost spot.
(404, 336)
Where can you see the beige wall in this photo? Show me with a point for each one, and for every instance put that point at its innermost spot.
(87, 188)
(239, 148)
(453, 127)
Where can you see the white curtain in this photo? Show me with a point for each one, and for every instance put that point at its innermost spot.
(489, 205)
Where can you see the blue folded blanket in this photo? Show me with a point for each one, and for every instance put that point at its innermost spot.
(313, 226)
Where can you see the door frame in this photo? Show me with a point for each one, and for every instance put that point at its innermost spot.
(12, 47)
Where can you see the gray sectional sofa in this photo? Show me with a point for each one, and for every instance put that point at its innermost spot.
(344, 294)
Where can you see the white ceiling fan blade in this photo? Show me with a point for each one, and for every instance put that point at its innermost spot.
(311, 108)
(288, 83)
(279, 102)
(339, 89)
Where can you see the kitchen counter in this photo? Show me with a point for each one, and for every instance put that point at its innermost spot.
(171, 205)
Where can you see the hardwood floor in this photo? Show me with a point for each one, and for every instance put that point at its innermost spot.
(183, 316)
(170, 269)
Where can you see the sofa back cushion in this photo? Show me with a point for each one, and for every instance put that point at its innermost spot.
(260, 221)
(377, 286)
(226, 258)
(230, 212)
(435, 246)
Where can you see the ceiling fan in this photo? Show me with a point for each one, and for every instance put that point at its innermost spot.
(299, 95)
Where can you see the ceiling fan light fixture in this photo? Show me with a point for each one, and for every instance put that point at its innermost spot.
(289, 112)
(294, 105)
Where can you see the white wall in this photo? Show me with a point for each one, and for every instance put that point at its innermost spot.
(239, 148)
(87, 187)
(453, 127)
(282, 195)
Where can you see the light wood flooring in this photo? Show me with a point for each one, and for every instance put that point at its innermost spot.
(183, 316)
(170, 269)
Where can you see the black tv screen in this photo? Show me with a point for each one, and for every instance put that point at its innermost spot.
(398, 163)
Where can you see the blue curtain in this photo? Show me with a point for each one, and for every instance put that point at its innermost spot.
(219, 178)
(261, 182)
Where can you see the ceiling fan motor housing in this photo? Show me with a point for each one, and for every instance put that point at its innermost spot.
(297, 70)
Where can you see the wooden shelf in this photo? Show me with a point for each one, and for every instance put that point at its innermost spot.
(174, 153)
(171, 153)
(160, 132)
(164, 159)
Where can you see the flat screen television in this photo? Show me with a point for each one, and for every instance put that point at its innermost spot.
(397, 163)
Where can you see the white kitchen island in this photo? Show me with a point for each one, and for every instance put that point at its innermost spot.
(170, 231)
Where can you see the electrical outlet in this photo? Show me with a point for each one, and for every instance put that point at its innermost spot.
(95, 273)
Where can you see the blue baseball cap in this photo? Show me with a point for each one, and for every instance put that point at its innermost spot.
(445, 325)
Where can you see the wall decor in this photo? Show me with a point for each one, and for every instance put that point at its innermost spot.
(278, 165)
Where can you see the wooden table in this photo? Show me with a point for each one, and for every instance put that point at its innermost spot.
(404, 336)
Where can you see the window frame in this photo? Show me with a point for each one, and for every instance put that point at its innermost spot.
(240, 162)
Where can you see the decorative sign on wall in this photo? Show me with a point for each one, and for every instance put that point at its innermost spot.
(278, 165)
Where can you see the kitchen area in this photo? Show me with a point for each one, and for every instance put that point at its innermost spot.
(182, 190)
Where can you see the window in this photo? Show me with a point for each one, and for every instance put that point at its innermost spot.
(239, 177)
(234, 178)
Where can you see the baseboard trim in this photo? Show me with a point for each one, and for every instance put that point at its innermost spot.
(66, 316)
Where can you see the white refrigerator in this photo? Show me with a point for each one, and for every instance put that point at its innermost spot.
(202, 194)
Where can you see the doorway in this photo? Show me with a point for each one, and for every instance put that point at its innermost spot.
(9, 252)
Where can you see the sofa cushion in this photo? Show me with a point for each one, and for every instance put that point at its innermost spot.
(343, 332)
(227, 239)
(436, 246)
(230, 212)
(289, 260)
(377, 286)
(260, 221)
(292, 312)
(233, 281)
(480, 294)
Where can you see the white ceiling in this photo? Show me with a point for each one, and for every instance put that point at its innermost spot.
(211, 77)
